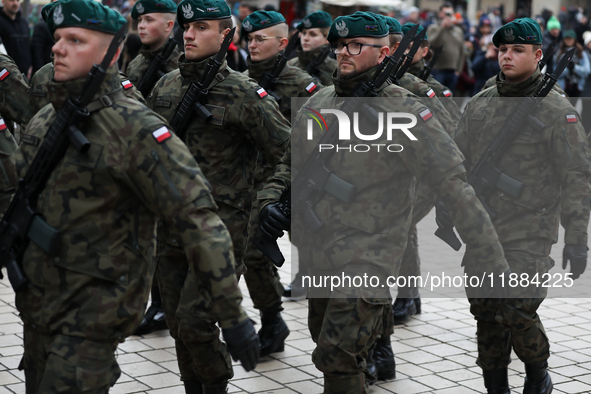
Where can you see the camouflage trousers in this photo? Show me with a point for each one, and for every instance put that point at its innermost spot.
(513, 322)
(344, 327)
(201, 355)
(66, 364)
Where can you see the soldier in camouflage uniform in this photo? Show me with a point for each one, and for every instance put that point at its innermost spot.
(245, 120)
(553, 165)
(85, 300)
(156, 22)
(13, 93)
(7, 180)
(368, 234)
(313, 31)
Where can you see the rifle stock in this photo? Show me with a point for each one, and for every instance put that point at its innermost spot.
(153, 73)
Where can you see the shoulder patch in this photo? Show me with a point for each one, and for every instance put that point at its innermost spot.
(311, 87)
(571, 118)
(2, 125)
(126, 84)
(446, 93)
(262, 92)
(426, 115)
(4, 74)
(431, 93)
(162, 134)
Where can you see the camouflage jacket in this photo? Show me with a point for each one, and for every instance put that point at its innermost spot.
(13, 92)
(324, 71)
(104, 204)
(137, 67)
(372, 228)
(7, 171)
(492, 81)
(440, 90)
(553, 163)
(39, 92)
(293, 82)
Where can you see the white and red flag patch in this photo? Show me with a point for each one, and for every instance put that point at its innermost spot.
(2, 125)
(262, 92)
(571, 118)
(311, 87)
(426, 115)
(161, 134)
(4, 74)
(446, 93)
(431, 93)
(126, 84)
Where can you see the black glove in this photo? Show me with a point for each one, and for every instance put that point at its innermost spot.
(578, 259)
(571, 66)
(442, 216)
(243, 344)
(273, 221)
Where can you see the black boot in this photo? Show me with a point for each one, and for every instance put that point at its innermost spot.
(537, 379)
(370, 367)
(154, 320)
(496, 381)
(407, 304)
(383, 357)
(273, 331)
(294, 291)
(193, 387)
(220, 388)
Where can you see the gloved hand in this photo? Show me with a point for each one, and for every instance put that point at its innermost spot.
(273, 221)
(577, 254)
(243, 344)
(442, 216)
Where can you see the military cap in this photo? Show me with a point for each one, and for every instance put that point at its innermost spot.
(407, 26)
(315, 19)
(259, 20)
(393, 25)
(198, 10)
(142, 7)
(360, 24)
(88, 14)
(519, 31)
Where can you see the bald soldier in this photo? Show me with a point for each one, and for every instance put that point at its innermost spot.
(84, 300)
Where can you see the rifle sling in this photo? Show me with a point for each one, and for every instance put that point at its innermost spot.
(105, 101)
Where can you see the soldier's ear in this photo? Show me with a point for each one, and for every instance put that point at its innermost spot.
(224, 33)
(116, 57)
(283, 43)
(384, 51)
(538, 54)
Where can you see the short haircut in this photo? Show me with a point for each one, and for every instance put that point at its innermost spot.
(225, 23)
(394, 38)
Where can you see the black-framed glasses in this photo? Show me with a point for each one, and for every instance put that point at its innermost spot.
(354, 48)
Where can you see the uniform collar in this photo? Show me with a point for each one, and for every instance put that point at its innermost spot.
(416, 68)
(527, 87)
(256, 70)
(306, 57)
(344, 88)
(194, 70)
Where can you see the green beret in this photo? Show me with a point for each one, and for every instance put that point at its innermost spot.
(407, 26)
(259, 20)
(393, 25)
(360, 24)
(88, 14)
(198, 10)
(315, 19)
(519, 31)
(142, 7)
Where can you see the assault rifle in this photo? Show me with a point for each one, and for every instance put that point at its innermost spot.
(21, 223)
(486, 177)
(270, 79)
(315, 178)
(197, 92)
(408, 57)
(154, 71)
(312, 67)
(426, 72)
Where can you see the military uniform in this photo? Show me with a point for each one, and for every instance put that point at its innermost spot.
(138, 66)
(13, 93)
(325, 69)
(7, 180)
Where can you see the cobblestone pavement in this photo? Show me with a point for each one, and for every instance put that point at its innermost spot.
(435, 351)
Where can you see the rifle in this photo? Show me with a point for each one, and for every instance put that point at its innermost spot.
(270, 79)
(486, 177)
(197, 92)
(21, 223)
(548, 54)
(408, 57)
(154, 71)
(426, 71)
(312, 67)
(269, 246)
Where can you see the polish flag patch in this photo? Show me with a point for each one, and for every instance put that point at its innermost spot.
(571, 118)
(446, 93)
(311, 87)
(262, 92)
(126, 84)
(4, 74)
(2, 125)
(431, 93)
(426, 115)
(161, 134)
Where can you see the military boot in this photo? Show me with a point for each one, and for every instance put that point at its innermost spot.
(345, 384)
(383, 357)
(407, 303)
(154, 320)
(537, 379)
(273, 331)
(496, 381)
(193, 387)
(220, 388)
(370, 367)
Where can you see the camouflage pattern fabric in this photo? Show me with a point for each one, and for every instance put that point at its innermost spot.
(13, 92)
(104, 204)
(137, 67)
(292, 82)
(39, 92)
(7, 170)
(323, 72)
(492, 81)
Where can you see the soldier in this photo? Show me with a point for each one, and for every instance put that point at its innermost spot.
(244, 120)
(13, 93)
(369, 232)
(553, 164)
(7, 180)
(155, 22)
(313, 31)
(81, 303)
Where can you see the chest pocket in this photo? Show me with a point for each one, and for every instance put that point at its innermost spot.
(88, 159)
(217, 114)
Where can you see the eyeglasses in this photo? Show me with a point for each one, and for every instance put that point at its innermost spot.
(354, 48)
(258, 39)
